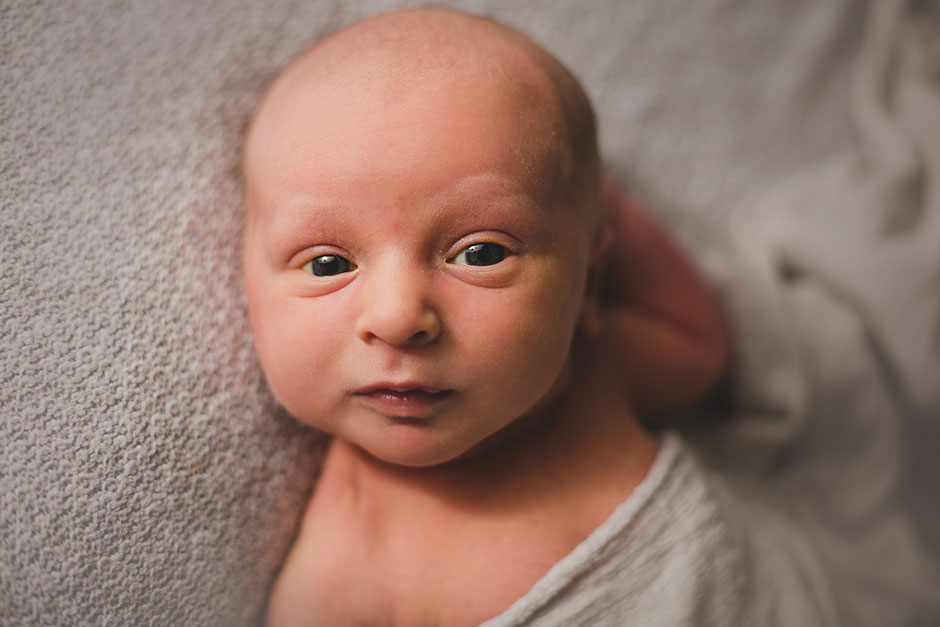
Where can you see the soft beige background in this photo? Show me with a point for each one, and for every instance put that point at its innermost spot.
(146, 475)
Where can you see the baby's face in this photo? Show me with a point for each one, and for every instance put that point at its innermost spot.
(414, 280)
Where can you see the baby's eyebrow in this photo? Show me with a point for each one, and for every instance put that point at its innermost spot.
(512, 207)
(482, 190)
(287, 222)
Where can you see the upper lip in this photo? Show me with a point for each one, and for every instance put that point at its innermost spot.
(406, 386)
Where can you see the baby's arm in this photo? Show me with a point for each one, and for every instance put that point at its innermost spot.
(667, 333)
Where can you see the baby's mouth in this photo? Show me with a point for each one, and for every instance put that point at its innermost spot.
(404, 402)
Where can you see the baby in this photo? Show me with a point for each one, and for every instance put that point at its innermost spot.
(437, 276)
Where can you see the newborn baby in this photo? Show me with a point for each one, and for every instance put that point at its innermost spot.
(437, 277)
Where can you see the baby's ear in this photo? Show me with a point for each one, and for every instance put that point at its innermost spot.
(589, 320)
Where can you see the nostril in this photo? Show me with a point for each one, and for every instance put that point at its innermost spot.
(420, 337)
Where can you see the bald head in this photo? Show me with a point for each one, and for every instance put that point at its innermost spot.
(393, 59)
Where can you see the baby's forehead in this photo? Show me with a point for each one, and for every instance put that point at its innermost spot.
(373, 66)
(392, 54)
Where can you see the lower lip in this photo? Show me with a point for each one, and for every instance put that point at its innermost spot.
(410, 404)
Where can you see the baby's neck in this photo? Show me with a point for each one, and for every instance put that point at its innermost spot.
(376, 537)
(588, 438)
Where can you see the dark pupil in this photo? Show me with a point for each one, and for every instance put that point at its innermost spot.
(485, 254)
(326, 265)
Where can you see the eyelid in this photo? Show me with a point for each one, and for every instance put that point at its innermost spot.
(512, 244)
(308, 284)
(302, 258)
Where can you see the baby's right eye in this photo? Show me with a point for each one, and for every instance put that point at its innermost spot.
(328, 265)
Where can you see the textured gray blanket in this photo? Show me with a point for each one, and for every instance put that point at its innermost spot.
(147, 476)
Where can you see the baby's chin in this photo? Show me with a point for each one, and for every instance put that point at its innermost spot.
(414, 446)
(424, 444)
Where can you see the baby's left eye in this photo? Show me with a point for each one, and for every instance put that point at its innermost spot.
(482, 254)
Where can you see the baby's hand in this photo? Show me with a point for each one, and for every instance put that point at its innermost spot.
(663, 321)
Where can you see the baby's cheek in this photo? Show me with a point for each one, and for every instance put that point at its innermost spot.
(560, 305)
(298, 351)
(537, 336)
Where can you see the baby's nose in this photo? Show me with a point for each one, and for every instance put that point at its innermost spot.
(396, 310)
